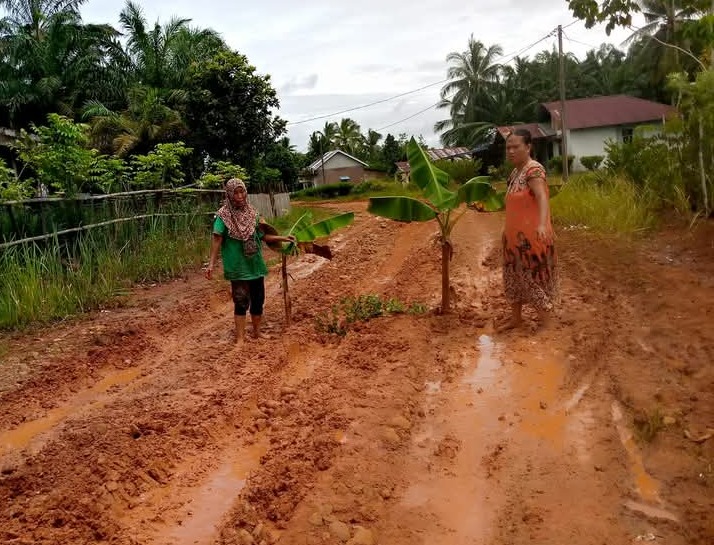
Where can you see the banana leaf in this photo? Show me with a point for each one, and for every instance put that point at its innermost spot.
(431, 180)
(309, 233)
(403, 209)
(476, 190)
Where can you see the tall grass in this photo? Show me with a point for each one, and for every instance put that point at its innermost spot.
(39, 283)
(605, 203)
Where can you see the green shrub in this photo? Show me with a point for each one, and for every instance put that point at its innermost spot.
(328, 191)
(555, 164)
(592, 162)
(352, 310)
(11, 188)
(161, 167)
(501, 172)
(460, 170)
(219, 173)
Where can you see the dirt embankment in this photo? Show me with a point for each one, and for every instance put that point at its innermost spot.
(144, 425)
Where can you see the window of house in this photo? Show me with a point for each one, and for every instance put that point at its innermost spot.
(627, 133)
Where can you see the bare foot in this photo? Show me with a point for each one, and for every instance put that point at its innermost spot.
(261, 336)
(239, 341)
(508, 323)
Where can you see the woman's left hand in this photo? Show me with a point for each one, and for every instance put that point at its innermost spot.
(291, 238)
(542, 234)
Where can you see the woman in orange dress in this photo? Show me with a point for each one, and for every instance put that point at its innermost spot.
(529, 257)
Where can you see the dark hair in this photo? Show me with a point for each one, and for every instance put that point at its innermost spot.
(523, 133)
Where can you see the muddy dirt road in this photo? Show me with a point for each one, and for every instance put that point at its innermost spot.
(143, 425)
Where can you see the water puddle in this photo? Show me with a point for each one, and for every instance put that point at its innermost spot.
(647, 487)
(484, 375)
(650, 511)
(215, 498)
(21, 436)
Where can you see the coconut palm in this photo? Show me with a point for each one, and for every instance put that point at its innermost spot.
(348, 136)
(473, 75)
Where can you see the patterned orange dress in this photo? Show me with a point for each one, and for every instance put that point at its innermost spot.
(529, 264)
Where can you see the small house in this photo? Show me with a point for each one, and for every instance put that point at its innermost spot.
(337, 166)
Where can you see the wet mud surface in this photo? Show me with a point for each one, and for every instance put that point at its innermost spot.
(145, 425)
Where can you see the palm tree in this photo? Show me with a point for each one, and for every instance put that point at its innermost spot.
(322, 141)
(146, 122)
(51, 61)
(162, 56)
(664, 21)
(472, 74)
(349, 135)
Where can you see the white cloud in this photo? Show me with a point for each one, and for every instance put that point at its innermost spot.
(326, 56)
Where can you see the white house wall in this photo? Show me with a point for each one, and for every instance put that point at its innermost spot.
(340, 161)
(582, 143)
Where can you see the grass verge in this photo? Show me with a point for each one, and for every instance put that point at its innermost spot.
(605, 204)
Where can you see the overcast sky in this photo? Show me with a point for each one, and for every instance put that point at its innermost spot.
(325, 55)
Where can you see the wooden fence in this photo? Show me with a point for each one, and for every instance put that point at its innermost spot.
(40, 219)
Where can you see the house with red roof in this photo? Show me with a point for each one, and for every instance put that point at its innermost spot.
(590, 124)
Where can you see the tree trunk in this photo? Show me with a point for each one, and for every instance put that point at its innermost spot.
(286, 294)
(702, 169)
(445, 288)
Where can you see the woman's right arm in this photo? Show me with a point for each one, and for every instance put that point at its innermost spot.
(215, 246)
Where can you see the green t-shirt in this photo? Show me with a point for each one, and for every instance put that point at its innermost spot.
(236, 266)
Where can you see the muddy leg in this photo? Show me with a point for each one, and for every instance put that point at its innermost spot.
(240, 330)
(514, 321)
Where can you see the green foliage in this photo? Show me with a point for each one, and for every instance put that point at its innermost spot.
(607, 204)
(392, 152)
(109, 174)
(613, 12)
(555, 164)
(352, 310)
(229, 109)
(219, 173)
(328, 191)
(263, 177)
(501, 172)
(59, 157)
(592, 162)
(11, 188)
(460, 171)
(161, 167)
(305, 231)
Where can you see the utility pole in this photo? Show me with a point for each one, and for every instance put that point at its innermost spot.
(322, 162)
(563, 124)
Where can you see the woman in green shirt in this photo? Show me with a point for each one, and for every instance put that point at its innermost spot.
(236, 233)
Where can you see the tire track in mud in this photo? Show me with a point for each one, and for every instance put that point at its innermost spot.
(160, 433)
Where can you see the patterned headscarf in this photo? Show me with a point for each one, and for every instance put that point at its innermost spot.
(240, 222)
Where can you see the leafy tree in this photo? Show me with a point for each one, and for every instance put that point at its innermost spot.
(219, 173)
(162, 167)
(439, 204)
(229, 109)
(280, 157)
(59, 157)
(392, 152)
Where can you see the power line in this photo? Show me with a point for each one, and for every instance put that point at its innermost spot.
(409, 117)
(317, 118)
(591, 46)
(513, 56)
(388, 99)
